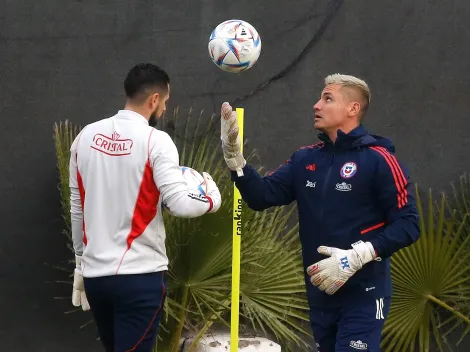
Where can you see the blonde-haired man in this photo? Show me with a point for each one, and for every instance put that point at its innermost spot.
(351, 192)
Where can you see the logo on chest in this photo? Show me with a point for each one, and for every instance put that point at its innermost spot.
(310, 184)
(343, 187)
(348, 170)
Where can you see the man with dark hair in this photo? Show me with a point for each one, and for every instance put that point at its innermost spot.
(122, 172)
(141, 80)
(355, 206)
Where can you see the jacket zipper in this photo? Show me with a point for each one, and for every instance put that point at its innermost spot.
(325, 184)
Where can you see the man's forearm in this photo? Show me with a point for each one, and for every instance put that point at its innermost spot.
(76, 215)
(400, 234)
(251, 188)
(261, 193)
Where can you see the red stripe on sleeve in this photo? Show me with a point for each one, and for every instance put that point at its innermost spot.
(81, 189)
(398, 175)
(371, 228)
(401, 175)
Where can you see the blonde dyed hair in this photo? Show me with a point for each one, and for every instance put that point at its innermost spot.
(353, 83)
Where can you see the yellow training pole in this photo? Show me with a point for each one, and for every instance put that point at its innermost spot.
(236, 248)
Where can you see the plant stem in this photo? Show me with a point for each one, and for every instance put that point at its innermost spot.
(206, 326)
(449, 308)
(181, 319)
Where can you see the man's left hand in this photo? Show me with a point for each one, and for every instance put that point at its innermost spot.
(78, 294)
(231, 143)
(331, 274)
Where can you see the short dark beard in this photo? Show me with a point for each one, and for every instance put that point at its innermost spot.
(153, 119)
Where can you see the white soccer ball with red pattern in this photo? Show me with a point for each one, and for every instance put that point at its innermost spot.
(194, 180)
(234, 46)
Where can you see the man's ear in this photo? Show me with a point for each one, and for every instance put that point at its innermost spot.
(155, 97)
(354, 108)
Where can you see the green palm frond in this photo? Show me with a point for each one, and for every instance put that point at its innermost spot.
(431, 282)
(64, 134)
(460, 199)
(272, 288)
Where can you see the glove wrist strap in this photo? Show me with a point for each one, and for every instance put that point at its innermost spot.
(236, 163)
(365, 251)
(78, 261)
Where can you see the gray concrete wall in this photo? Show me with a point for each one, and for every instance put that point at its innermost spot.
(67, 60)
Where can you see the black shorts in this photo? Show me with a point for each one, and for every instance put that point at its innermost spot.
(127, 309)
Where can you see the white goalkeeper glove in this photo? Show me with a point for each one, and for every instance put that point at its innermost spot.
(212, 193)
(331, 274)
(78, 293)
(231, 144)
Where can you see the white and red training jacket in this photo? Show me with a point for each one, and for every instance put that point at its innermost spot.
(121, 172)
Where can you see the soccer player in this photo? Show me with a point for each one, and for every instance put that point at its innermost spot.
(355, 207)
(122, 171)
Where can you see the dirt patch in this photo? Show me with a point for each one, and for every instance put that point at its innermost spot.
(246, 343)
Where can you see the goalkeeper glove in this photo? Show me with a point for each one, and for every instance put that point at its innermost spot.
(231, 144)
(331, 274)
(78, 293)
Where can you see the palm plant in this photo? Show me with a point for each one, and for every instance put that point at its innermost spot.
(272, 301)
(461, 195)
(431, 282)
(460, 200)
(64, 133)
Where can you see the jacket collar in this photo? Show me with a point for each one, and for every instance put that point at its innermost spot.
(131, 115)
(358, 136)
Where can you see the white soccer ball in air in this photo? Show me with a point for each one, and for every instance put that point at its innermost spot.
(234, 46)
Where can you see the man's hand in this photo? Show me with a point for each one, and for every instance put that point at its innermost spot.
(212, 193)
(331, 274)
(78, 293)
(231, 144)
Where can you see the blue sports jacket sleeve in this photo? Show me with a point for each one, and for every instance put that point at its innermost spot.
(394, 191)
(260, 193)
